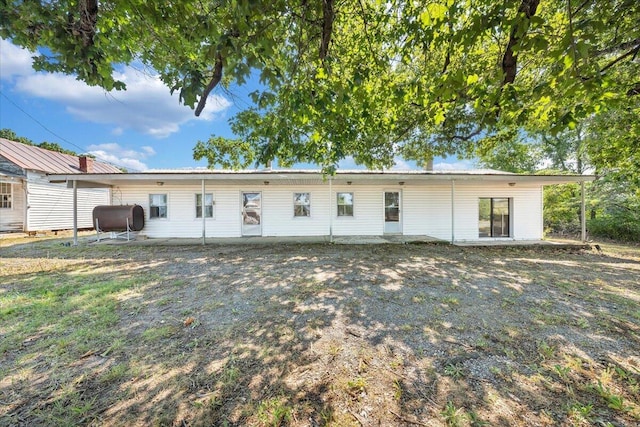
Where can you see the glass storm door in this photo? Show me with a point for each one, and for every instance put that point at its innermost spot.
(392, 223)
(251, 214)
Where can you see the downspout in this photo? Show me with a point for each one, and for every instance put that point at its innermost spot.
(75, 212)
(453, 211)
(330, 211)
(583, 219)
(204, 220)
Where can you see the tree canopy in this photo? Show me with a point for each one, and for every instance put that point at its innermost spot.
(369, 79)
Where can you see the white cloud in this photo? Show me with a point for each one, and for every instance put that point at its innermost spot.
(127, 158)
(14, 61)
(146, 106)
(454, 166)
(148, 150)
(402, 165)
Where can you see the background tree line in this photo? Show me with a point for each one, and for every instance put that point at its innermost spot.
(607, 145)
(52, 146)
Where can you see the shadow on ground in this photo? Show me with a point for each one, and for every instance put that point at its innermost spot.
(318, 335)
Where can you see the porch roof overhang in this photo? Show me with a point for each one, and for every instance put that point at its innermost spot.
(309, 177)
(10, 178)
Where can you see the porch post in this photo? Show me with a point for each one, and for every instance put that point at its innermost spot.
(330, 211)
(75, 212)
(453, 211)
(204, 220)
(583, 219)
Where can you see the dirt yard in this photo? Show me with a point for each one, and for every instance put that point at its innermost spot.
(318, 335)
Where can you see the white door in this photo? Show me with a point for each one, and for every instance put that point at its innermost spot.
(392, 213)
(251, 214)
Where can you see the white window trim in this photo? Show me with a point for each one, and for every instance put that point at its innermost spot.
(293, 198)
(353, 204)
(10, 195)
(511, 235)
(167, 206)
(213, 207)
(400, 201)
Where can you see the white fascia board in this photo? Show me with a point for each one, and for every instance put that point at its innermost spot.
(284, 176)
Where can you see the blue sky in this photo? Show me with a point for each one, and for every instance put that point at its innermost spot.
(144, 127)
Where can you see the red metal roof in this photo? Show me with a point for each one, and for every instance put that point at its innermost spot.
(39, 159)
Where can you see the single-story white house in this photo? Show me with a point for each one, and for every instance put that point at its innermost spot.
(29, 202)
(451, 206)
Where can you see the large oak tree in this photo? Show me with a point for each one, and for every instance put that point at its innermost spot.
(370, 79)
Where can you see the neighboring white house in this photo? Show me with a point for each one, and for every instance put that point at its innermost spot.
(30, 203)
(452, 206)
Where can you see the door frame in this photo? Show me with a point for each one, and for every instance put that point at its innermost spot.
(399, 223)
(249, 230)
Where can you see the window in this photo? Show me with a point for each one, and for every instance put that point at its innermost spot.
(345, 204)
(301, 204)
(208, 205)
(157, 206)
(5, 195)
(493, 218)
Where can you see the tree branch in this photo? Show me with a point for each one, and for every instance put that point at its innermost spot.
(468, 136)
(328, 15)
(635, 90)
(215, 79)
(447, 61)
(86, 27)
(586, 2)
(366, 25)
(573, 39)
(509, 60)
(622, 46)
(633, 51)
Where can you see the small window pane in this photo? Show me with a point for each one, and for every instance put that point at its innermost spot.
(5, 195)
(345, 204)
(301, 204)
(500, 222)
(157, 206)
(208, 207)
(484, 218)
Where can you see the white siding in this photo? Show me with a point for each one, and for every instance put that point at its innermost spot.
(426, 209)
(277, 211)
(50, 206)
(181, 221)
(525, 209)
(368, 211)
(12, 219)
(181, 218)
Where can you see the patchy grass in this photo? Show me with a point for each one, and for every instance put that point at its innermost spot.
(297, 335)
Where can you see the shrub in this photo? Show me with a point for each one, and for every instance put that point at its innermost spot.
(621, 226)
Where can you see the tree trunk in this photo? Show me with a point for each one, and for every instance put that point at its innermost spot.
(510, 60)
(328, 15)
(88, 18)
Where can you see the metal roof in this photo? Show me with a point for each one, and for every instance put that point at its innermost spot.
(301, 177)
(39, 159)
